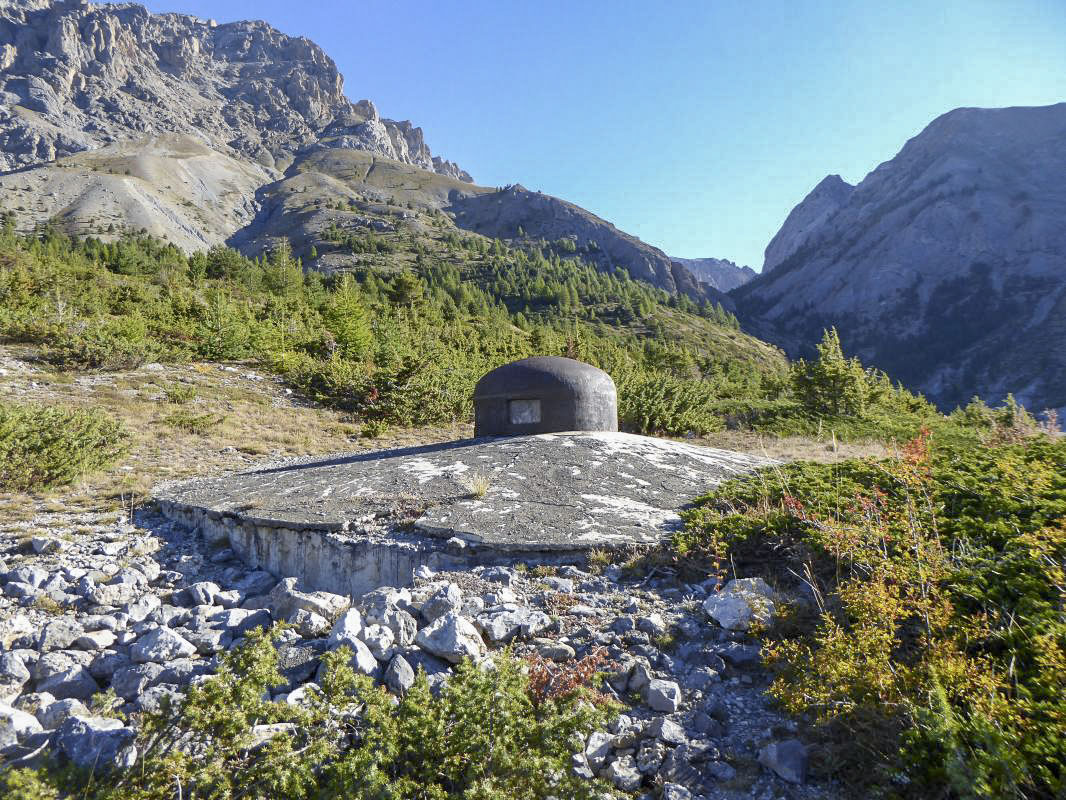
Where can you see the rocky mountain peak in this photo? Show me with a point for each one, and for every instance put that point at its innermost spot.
(823, 201)
(944, 266)
(75, 76)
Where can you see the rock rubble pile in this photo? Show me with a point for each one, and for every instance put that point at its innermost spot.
(142, 610)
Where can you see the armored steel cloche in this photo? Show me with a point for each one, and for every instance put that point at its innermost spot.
(544, 394)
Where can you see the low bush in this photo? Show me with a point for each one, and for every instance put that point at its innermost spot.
(179, 394)
(46, 446)
(486, 736)
(189, 422)
(931, 644)
(118, 345)
(664, 404)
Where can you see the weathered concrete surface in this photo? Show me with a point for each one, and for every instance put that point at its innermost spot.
(365, 520)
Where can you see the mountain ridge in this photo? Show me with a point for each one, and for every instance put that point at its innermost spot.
(721, 273)
(108, 110)
(945, 266)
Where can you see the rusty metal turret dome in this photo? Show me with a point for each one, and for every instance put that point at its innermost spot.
(545, 394)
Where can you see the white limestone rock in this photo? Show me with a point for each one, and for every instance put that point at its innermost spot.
(741, 603)
(452, 638)
(286, 598)
(161, 645)
(16, 725)
(97, 743)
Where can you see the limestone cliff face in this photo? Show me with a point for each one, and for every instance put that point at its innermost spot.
(816, 208)
(721, 273)
(945, 266)
(75, 77)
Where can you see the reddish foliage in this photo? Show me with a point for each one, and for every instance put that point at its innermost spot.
(916, 451)
(548, 680)
(793, 506)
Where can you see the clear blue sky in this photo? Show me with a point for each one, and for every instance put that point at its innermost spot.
(695, 125)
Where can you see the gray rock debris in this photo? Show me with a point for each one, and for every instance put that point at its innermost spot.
(683, 741)
(97, 743)
(787, 758)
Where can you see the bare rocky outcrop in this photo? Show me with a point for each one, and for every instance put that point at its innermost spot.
(944, 266)
(75, 76)
(823, 202)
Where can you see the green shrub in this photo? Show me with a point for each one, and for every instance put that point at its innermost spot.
(655, 403)
(486, 736)
(179, 394)
(46, 446)
(111, 346)
(932, 648)
(192, 423)
(374, 429)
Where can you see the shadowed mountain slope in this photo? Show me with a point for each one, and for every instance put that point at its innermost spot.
(945, 266)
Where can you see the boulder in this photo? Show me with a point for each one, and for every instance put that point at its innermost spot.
(664, 696)
(161, 645)
(377, 604)
(201, 593)
(97, 743)
(105, 664)
(787, 758)
(238, 621)
(95, 640)
(52, 715)
(59, 634)
(741, 603)
(379, 639)
(362, 659)
(501, 627)
(623, 773)
(452, 638)
(76, 682)
(447, 599)
(142, 608)
(132, 681)
(347, 628)
(308, 624)
(667, 730)
(286, 598)
(650, 756)
(554, 651)
(675, 791)
(16, 725)
(597, 750)
(400, 676)
(13, 674)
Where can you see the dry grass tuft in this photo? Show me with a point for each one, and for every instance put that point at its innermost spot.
(477, 485)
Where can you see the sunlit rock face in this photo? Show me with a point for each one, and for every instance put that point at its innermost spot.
(75, 76)
(945, 266)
